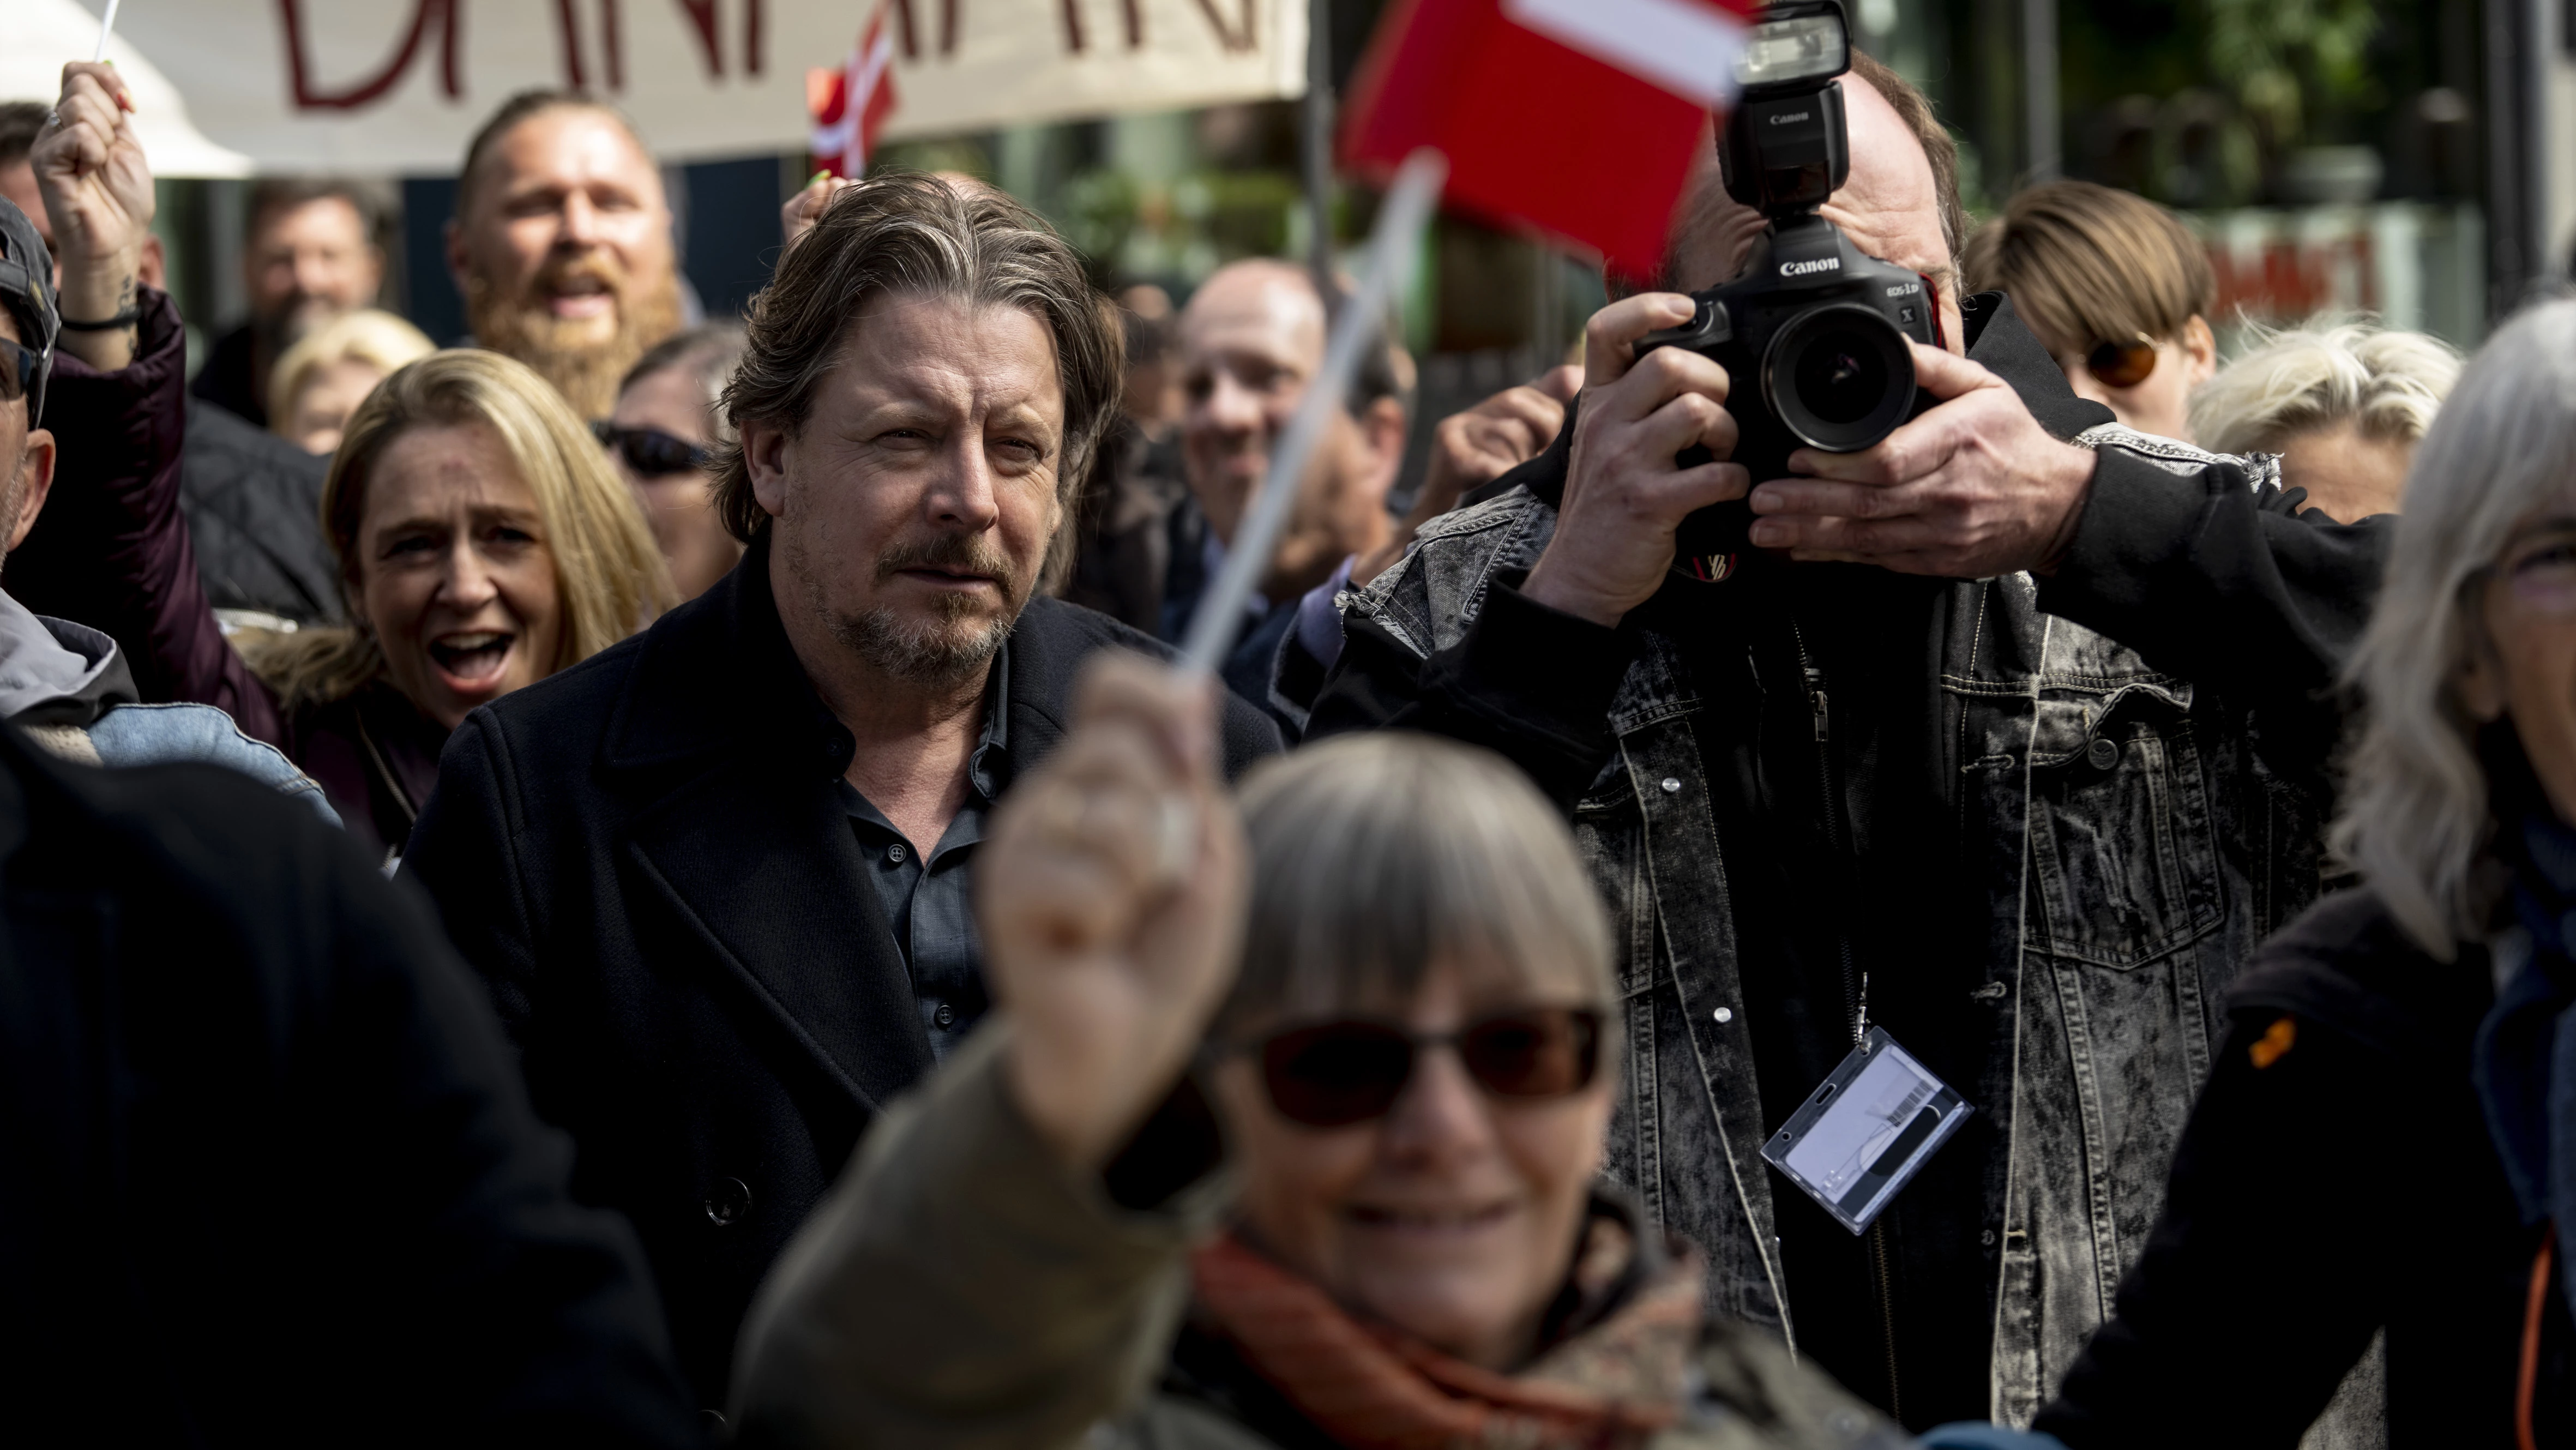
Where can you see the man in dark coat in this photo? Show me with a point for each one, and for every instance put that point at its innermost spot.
(717, 875)
(271, 1176)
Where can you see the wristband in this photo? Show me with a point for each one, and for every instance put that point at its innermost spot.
(118, 323)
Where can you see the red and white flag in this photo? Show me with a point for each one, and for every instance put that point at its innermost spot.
(1579, 117)
(850, 105)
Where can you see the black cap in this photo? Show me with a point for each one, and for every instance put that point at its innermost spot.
(27, 288)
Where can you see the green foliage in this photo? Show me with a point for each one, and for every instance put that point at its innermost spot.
(2285, 60)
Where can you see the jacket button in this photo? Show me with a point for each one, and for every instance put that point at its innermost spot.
(2103, 753)
(944, 1017)
(729, 1202)
(1672, 784)
(1724, 1015)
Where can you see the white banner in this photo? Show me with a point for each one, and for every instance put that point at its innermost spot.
(399, 86)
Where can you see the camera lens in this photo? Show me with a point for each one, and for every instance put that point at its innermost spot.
(1839, 377)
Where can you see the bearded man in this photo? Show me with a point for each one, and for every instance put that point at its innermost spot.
(561, 243)
(717, 876)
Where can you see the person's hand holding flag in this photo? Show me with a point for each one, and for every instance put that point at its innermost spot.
(848, 106)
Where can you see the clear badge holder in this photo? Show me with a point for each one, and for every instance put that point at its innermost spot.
(1860, 1136)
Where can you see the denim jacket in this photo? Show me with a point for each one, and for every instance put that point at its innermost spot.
(2141, 828)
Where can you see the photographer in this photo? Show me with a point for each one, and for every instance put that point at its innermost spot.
(2024, 792)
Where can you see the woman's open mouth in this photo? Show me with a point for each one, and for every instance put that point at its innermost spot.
(471, 661)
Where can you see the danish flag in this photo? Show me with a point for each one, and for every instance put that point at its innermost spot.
(850, 105)
(1579, 117)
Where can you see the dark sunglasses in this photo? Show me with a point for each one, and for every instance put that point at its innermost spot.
(651, 452)
(1337, 1073)
(2123, 364)
(21, 369)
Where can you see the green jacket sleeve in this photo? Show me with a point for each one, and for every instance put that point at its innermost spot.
(962, 1288)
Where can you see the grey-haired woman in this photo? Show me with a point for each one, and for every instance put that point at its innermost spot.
(1381, 1219)
(2388, 1138)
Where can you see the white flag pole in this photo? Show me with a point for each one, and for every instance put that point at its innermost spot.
(1393, 249)
(106, 26)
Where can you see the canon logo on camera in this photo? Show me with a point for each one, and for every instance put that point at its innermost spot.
(1790, 118)
(1801, 269)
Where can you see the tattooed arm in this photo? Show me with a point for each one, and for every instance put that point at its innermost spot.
(98, 194)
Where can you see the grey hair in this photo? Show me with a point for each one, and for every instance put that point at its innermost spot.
(2415, 815)
(2388, 384)
(1375, 857)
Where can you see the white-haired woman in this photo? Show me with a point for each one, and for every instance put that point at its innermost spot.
(1411, 1078)
(2343, 406)
(2374, 1147)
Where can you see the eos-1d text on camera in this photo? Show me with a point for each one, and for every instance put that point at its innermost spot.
(1812, 335)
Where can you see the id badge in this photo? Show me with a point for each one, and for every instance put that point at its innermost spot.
(1863, 1132)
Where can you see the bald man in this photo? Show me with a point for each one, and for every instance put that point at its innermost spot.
(561, 243)
(1251, 339)
(2008, 738)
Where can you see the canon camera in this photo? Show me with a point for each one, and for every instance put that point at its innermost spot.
(1812, 335)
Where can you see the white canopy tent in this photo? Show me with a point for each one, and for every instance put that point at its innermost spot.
(398, 86)
(38, 36)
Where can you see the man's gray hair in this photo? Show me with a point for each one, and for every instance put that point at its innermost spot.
(903, 234)
(2415, 816)
(2387, 384)
(1376, 857)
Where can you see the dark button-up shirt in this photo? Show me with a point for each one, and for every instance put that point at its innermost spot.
(926, 898)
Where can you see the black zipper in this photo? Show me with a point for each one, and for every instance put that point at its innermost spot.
(1855, 987)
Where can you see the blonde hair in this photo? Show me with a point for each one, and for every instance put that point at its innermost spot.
(379, 339)
(2085, 264)
(2415, 816)
(609, 578)
(2387, 384)
(1376, 856)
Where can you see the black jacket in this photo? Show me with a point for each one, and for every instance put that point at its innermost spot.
(270, 1178)
(646, 857)
(2345, 1185)
(254, 507)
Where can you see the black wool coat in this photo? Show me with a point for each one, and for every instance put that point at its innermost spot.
(646, 858)
(267, 1173)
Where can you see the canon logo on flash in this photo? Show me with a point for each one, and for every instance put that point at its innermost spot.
(1790, 118)
(1801, 269)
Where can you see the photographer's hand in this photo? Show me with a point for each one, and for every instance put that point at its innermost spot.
(1624, 495)
(1971, 489)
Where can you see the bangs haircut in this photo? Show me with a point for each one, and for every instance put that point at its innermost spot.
(903, 234)
(2416, 813)
(609, 577)
(1376, 856)
(2087, 264)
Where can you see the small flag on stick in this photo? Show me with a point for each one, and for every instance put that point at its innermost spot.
(1579, 117)
(849, 106)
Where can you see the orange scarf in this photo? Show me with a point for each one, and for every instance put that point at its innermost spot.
(1612, 1385)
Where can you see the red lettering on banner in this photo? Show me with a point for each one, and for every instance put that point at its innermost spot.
(613, 43)
(570, 30)
(702, 15)
(751, 37)
(1245, 39)
(309, 96)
